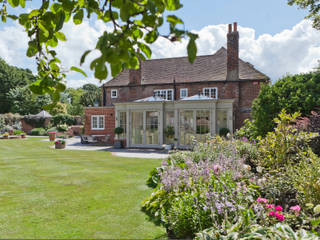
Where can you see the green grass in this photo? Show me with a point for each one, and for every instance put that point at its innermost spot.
(48, 193)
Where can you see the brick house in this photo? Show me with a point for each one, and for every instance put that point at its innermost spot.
(214, 92)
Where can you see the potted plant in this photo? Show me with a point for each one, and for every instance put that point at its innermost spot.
(5, 136)
(117, 141)
(23, 135)
(169, 133)
(60, 144)
(52, 136)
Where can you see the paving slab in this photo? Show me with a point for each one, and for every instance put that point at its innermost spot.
(75, 144)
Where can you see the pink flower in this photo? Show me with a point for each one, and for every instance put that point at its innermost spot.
(279, 216)
(295, 208)
(270, 206)
(262, 200)
(278, 208)
(271, 213)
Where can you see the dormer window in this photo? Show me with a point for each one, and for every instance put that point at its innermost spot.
(114, 93)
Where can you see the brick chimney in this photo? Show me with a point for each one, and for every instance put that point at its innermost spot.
(233, 53)
(135, 74)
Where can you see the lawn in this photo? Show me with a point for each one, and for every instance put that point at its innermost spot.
(48, 193)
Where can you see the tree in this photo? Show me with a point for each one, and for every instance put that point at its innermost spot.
(296, 93)
(10, 78)
(91, 95)
(22, 101)
(135, 25)
(313, 7)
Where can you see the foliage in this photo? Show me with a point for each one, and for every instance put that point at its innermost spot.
(135, 25)
(74, 107)
(248, 130)
(22, 101)
(91, 95)
(286, 145)
(9, 119)
(35, 121)
(62, 118)
(199, 189)
(223, 132)
(17, 132)
(59, 108)
(62, 128)
(118, 130)
(38, 132)
(169, 132)
(10, 78)
(296, 93)
(313, 7)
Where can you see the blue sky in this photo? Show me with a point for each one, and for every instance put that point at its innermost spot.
(274, 37)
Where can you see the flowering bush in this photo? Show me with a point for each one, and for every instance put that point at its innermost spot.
(195, 192)
(60, 141)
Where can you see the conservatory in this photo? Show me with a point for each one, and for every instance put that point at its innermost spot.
(153, 121)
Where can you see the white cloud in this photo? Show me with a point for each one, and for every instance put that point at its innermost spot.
(290, 51)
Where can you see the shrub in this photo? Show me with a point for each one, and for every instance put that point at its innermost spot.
(17, 132)
(248, 130)
(118, 130)
(34, 121)
(198, 189)
(62, 128)
(223, 132)
(63, 119)
(52, 129)
(38, 132)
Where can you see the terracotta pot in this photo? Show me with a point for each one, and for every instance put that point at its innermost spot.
(52, 136)
(60, 145)
(23, 136)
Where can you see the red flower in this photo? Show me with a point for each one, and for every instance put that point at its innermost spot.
(278, 208)
(271, 213)
(279, 216)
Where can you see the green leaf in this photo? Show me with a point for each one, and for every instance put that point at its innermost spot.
(172, 5)
(151, 37)
(60, 17)
(13, 17)
(32, 49)
(23, 18)
(174, 20)
(77, 18)
(78, 70)
(145, 49)
(14, 3)
(22, 3)
(53, 42)
(83, 57)
(100, 69)
(192, 49)
(115, 69)
(60, 36)
(61, 87)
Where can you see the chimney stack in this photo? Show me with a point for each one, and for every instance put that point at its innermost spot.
(233, 52)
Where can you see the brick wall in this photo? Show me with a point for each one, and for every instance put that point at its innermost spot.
(109, 118)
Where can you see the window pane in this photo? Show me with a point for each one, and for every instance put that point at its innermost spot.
(170, 93)
(137, 128)
(221, 120)
(101, 122)
(123, 124)
(186, 127)
(94, 122)
(203, 125)
(152, 131)
(169, 122)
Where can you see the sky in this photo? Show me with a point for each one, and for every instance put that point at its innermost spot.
(274, 37)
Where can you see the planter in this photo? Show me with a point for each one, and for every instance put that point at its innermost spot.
(168, 147)
(10, 132)
(23, 136)
(117, 144)
(52, 136)
(5, 137)
(60, 145)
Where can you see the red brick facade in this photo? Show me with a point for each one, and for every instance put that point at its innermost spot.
(109, 124)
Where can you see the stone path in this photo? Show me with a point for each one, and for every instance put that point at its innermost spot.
(75, 144)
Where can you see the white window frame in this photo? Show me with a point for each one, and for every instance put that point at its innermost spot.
(210, 92)
(98, 122)
(183, 89)
(166, 93)
(116, 91)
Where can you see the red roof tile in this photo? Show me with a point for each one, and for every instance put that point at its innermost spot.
(205, 68)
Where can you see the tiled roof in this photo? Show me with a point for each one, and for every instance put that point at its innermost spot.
(205, 68)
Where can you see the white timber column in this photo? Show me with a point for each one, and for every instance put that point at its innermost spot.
(230, 119)
(214, 119)
(128, 123)
(117, 118)
(161, 120)
(144, 127)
